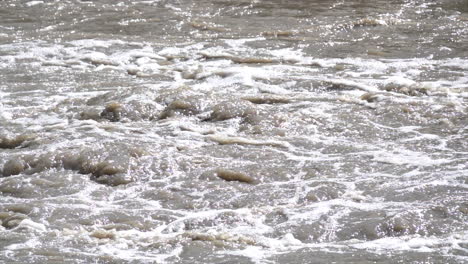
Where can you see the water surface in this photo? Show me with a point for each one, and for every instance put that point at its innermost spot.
(222, 131)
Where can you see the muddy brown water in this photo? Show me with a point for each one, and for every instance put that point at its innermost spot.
(226, 131)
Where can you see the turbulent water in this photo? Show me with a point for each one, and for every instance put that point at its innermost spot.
(234, 131)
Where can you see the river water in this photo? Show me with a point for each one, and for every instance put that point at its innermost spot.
(234, 131)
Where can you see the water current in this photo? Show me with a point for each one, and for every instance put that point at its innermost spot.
(234, 131)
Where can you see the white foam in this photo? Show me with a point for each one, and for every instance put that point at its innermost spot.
(412, 243)
(360, 86)
(34, 3)
(406, 157)
(399, 81)
(256, 254)
(29, 224)
(91, 43)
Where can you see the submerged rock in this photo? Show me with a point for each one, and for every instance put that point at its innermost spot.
(90, 114)
(324, 193)
(204, 26)
(11, 220)
(185, 107)
(117, 112)
(106, 168)
(121, 105)
(240, 60)
(229, 175)
(368, 22)
(406, 86)
(109, 174)
(11, 143)
(13, 167)
(233, 109)
(227, 140)
(278, 33)
(110, 167)
(267, 99)
(220, 239)
(253, 60)
(113, 180)
(112, 112)
(102, 234)
(370, 97)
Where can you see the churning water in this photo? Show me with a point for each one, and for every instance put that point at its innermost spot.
(234, 131)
